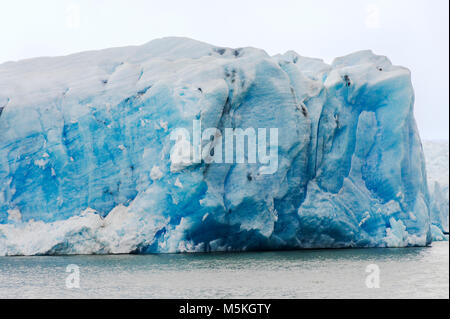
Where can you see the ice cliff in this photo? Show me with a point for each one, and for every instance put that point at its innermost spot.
(86, 164)
(436, 155)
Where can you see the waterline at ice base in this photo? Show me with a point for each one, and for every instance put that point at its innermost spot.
(88, 165)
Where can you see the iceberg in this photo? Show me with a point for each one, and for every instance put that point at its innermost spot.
(88, 165)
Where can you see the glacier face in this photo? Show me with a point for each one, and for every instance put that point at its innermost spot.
(85, 152)
(436, 156)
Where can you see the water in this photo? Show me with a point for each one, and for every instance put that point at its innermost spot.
(404, 273)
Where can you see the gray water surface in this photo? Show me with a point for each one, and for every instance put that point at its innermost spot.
(404, 273)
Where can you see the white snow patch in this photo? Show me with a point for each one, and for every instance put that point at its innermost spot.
(178, 183)
(180, 155)
(121, 231)
(41, 163)
(164, 125)
(14, 215)
(156, 173)
(366, 216)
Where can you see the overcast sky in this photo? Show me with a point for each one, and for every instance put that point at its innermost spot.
(412, 33)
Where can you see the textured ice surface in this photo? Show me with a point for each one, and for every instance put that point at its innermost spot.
(436, 155)
(85, 147)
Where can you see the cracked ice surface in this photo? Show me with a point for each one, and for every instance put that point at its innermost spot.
(85, 152)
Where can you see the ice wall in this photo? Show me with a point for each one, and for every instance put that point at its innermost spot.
(436, 155)
(86, 166)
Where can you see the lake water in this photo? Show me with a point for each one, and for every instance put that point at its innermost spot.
(403, 273)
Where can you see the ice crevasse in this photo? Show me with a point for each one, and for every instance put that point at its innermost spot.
(86, 167)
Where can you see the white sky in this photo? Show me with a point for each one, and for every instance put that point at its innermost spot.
(412, 33)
